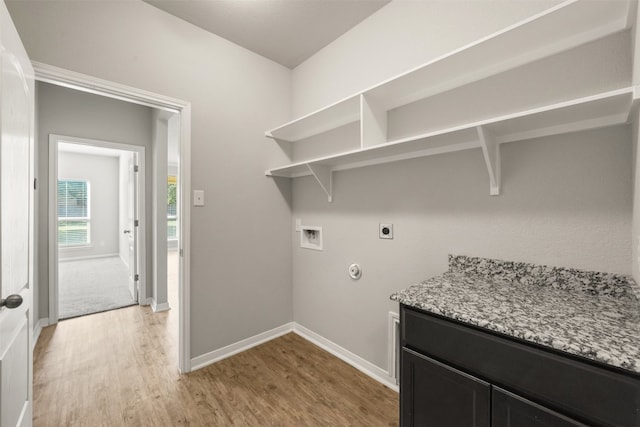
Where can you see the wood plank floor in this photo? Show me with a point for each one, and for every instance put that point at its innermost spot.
(118, 368)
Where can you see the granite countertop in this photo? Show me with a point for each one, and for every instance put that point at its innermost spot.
(588, 314)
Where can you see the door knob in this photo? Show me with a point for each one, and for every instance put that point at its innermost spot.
(127, 231)
(12, 301)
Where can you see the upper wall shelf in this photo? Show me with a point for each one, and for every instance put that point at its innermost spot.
(566, 26)
(315, 140)
(335, 115)
(597, 111)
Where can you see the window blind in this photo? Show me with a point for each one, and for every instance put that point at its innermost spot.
(73, 212)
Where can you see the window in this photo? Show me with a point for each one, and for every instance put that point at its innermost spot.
(172, 208)
(73, 212)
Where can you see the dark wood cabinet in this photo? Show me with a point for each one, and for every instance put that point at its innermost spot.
(511, 410)
(435, 394)
(453, 374)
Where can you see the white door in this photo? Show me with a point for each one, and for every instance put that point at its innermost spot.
(132, 228)
(16, 230)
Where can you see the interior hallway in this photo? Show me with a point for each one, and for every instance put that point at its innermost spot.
(120, 368)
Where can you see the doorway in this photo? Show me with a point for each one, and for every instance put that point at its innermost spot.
(96, 232)
(89, 84)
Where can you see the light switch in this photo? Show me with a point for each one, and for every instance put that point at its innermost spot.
(198, 197)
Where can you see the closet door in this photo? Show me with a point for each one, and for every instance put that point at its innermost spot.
(510, 410)
(434, 394)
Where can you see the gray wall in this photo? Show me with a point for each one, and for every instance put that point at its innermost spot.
(68, 112)
(241, 252)
(102, 174)
(566, 200)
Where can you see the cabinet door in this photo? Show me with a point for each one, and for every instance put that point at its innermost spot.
(434, 394)
(510, 410)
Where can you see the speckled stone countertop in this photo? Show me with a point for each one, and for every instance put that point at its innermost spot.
(589, 314)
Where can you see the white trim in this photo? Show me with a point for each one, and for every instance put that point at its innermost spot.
(62, 77)
(67, 78)
(240, 346)
(81, 258)
(38, 328)
(54, 258)
(341, 353)
(141, 244)
(53, 232)
(345, 355)
(159, 307)
(184, 236)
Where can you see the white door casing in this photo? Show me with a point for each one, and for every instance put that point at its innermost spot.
(132, 228)
(55, 75)
(138, 152)
(16, 225)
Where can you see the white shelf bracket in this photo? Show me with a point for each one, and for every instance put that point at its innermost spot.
(491, 151)
(324, 176)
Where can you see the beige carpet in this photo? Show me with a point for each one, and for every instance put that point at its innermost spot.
(91, 286)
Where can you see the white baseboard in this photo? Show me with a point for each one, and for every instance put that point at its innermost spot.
(163, 306)
(38, 328)
(224, 352)
(352, 359)
(345, 355)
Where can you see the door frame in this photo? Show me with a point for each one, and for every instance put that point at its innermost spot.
(61, 77)
(54, 141)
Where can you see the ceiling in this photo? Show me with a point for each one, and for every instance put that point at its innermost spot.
(285, 31)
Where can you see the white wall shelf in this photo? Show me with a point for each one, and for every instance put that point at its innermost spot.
(333, 116)
(566, 26)
(592, 112)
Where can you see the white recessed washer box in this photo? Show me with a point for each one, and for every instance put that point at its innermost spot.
(311, 237)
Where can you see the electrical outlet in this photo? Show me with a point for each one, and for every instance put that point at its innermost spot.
(386, 231)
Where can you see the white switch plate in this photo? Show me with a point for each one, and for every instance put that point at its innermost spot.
(198, 197)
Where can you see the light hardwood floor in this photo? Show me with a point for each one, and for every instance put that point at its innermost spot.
(118, 368)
